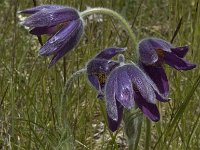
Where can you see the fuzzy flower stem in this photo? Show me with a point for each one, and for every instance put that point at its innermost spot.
(67, 84)
(114, 14)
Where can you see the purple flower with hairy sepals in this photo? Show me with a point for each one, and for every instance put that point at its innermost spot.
(100, 66)
(154, 52)
(126, 86)
(98, 70)
(63, 24)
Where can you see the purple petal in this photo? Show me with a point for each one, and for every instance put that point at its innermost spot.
(159, 96)
(39, 8)
(160, 44)
(141, 83)
(71, 39)
(94, 81)
(123, 88)
(157, 74)
(147, 53)
(67, 37)
(96, 66)
(43, 30)
(180, 51)
(108, 53)
(98, 70)
(149, 110)
(57, 56)
(112, 124)
(148, 47)
(52, 17)
(177, 62)
(111, 106)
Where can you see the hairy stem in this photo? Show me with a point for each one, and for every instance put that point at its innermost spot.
(114, 14)
(67, 84)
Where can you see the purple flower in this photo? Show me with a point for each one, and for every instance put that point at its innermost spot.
(100, 66)
(126, 86)
(98, 70)
(154, 52)
(63, 24)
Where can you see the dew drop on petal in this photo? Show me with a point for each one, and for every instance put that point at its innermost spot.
(53, 39)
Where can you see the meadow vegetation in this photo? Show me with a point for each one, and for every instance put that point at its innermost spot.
(33, 114)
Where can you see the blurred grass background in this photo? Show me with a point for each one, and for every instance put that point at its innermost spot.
(30, 93)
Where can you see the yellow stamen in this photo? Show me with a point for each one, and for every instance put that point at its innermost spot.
(160, 53)
(102, 77)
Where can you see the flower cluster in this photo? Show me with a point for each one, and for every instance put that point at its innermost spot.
(122, 85)
(100, 67)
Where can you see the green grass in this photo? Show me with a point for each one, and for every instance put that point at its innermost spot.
(30, 93)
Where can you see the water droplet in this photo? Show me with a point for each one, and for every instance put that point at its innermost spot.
(53, 39)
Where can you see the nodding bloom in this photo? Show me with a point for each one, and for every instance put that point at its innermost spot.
(126, 86)
(63, 24)
(98, 70)
(100, 66)
(154, 52)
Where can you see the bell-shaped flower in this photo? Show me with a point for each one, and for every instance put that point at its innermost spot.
(63, 24)
(127, 86)
(100, 66)
(98, 70)
(154, 52)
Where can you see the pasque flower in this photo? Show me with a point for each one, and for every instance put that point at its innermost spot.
(100, 66)
(98, 70)
(63, 24)
(128, 85)
(154, 52)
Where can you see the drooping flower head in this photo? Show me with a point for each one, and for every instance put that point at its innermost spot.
(63, 24)
(100, 66)
(98, 70)
(126, 86)
(154, 52)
